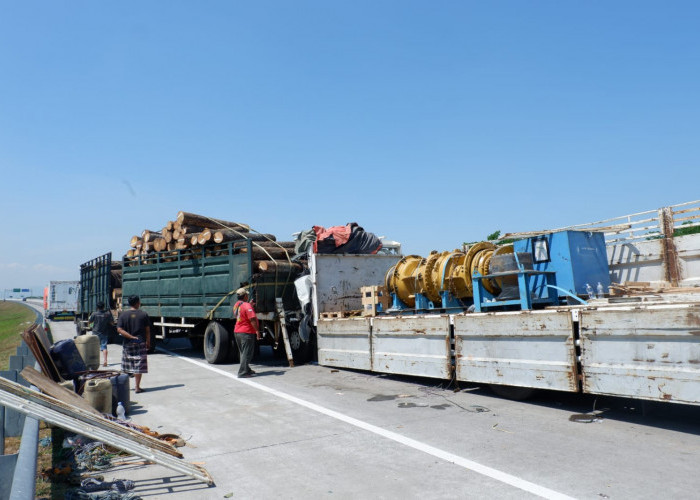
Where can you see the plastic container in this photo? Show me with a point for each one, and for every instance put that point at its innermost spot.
(98, 392)
(88, 346)
(67, 358)
(121, 412)
(120, 392)
(589, 291)
(600, 290)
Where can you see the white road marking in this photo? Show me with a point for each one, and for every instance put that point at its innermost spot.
(484, 470)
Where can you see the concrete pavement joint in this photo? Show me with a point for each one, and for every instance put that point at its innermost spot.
(484, 470)
(274, 445)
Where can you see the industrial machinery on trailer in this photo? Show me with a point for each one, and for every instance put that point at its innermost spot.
(543, 313)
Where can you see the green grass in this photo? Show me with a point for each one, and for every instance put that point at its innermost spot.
(14, 318)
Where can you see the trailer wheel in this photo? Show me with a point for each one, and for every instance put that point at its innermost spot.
(217, 343)
(513, 392)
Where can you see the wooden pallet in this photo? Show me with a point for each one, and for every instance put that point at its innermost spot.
(340, 314)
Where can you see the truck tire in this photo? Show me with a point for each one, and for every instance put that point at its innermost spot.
(300, 349)
(513, 392)
(217, 343)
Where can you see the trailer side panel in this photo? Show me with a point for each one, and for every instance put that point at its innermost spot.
(647, 352)
(525, 348)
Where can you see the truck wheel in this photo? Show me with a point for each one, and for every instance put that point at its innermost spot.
(513, 392)
(300, 349)
(217, 342)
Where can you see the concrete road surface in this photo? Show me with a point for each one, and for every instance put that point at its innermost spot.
(317, 432)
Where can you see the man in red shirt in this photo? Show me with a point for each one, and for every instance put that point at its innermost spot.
(246, 331)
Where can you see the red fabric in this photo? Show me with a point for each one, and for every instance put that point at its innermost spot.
(243, 312)
(341, 234)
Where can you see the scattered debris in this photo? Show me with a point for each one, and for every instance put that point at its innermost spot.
(494, 427)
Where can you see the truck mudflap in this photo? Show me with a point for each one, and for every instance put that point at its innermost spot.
(648, 353)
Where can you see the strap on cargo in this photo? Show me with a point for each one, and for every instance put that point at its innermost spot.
(210, 314)
(289, 259)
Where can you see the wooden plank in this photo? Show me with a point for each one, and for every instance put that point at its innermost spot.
(41, 354)
(51, 388)
(53, 411)
(88, 417)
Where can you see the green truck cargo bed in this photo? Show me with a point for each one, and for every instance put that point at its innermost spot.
(201, 283)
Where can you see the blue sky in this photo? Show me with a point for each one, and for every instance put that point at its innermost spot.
(430, 123)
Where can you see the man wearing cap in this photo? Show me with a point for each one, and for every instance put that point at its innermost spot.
(101, 322)
(135, 326)
(246, 331)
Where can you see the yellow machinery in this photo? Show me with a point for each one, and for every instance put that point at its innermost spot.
(443, 279)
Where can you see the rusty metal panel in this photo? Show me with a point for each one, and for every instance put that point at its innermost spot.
(412, 345)
(689, 254)
(650, 352)
(524, 348)
(344, 343)
(337, 279)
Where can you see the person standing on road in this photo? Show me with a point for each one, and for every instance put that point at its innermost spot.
(246, 331)
(135, 326)
(101, 322)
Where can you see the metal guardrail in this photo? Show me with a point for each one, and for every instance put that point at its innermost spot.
(651, 224)
(18, 471)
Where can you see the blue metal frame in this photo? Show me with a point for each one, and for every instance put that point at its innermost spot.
(524, 281)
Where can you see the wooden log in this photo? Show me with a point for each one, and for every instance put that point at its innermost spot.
(149, 235)
(270, 266)
(223, 235)
(204, 237)
(176, 234)
(191, 229)
(159, 244)
(194, 239)
(169, 226)
(276, 244)
(135, 240)
(190, 219)
(269, 253)
(167, 235)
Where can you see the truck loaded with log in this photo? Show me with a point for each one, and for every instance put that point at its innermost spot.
(186, 275)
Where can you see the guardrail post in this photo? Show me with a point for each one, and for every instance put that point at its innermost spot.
(669, 253)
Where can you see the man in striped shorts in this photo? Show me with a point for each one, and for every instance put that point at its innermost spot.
(135, 326)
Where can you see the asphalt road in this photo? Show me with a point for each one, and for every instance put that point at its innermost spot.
(317, 432)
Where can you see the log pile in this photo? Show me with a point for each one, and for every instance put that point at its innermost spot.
(193, 236)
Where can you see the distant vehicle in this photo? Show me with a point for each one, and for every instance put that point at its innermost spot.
(61, 300)
(24, 299)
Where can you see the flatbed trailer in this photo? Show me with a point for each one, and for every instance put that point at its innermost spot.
(644, 350)
(191, 293)
(644, 346)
